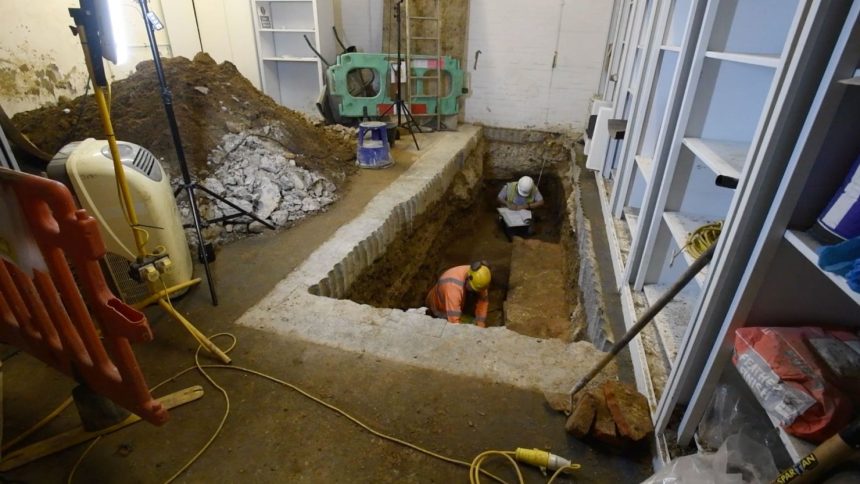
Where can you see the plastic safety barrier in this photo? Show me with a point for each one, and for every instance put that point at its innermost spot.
(50, 311)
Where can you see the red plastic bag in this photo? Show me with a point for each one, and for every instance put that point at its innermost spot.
(788, 381)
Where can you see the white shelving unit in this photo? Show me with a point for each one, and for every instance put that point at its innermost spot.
(723, 92)
(783, 284)
(290, 72)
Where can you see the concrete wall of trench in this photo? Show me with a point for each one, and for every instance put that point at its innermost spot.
(306, 305)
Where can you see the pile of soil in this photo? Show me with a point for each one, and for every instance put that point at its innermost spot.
(210, 100)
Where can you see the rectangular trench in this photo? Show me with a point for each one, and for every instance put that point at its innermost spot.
(309, 303)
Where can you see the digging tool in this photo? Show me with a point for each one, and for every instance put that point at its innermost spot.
(646, 318)
(832, 451)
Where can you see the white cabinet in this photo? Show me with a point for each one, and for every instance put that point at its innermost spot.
(290, 71)
(716, 133)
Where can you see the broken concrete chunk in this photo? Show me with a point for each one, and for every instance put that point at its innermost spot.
(310, 205)
(629, 409)
(560, 402)
(256, 227)
(270, 197)
(579, 422)
(202, 89)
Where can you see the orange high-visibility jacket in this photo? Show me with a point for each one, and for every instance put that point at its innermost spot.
(447, 297)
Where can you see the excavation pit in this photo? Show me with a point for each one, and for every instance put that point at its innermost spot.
(464, 227)
(311, 302)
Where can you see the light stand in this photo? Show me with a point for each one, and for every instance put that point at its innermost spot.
(399, 103)
(204, 249)
(87, 29)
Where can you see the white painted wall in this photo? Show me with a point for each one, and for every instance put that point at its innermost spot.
(226, 29)
(359, 23)
(515, 84)
(40, 60)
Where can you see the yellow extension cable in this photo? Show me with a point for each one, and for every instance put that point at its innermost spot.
(475, 470)
(699, 240)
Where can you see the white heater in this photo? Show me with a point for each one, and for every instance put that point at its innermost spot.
(86, 168)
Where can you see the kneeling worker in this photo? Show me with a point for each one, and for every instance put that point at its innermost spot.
(460, 289)
(520, 195)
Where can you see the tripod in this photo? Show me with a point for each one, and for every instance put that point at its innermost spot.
(205, 252)
(399, 103)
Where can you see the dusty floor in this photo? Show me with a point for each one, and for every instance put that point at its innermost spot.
(274, 435)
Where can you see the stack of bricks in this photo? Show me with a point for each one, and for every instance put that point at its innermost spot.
(613, 413)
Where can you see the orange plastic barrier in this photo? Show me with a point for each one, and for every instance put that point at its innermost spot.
(45, 312)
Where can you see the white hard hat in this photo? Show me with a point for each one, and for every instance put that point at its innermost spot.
(525, 186)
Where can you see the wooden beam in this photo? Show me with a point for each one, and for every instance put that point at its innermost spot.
(78, 435)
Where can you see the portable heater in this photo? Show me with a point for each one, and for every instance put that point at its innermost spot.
(86, 168)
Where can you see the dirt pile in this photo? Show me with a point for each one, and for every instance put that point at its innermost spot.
(210, 100)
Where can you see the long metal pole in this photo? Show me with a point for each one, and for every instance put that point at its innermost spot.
(646, 318)
(188, 186)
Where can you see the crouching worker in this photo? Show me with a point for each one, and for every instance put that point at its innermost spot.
(460, 295)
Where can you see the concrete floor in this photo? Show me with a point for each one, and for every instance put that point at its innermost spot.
(275, 435)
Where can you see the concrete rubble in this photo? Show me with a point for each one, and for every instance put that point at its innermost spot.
(256, 173)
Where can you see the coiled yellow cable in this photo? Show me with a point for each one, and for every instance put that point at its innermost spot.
(701, 239)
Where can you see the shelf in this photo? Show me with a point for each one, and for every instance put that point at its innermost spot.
(751, 59)
(808, 247)
(725, 158)
(292, 31)
(851, 81)
(672, 321)
(671, 48)
(290, 59)
(631, 216)
(680, 224)
(796, 448)
(646, 165)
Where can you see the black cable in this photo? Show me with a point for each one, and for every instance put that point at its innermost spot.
(197, 23)
(73, 130)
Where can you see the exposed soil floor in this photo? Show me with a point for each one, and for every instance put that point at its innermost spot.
(274, 435)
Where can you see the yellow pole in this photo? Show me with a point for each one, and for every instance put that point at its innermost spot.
(125, 193)
(126, 200)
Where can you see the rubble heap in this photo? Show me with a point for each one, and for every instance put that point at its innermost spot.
(210, 100)
(259, 175)
(273, 161)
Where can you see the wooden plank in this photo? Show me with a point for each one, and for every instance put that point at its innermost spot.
(725, 158)
(808, 247)
(79, 435)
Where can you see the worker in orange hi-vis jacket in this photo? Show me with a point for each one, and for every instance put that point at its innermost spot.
(460, 289)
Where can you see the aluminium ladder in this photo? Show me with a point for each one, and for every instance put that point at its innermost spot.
(417, 85)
